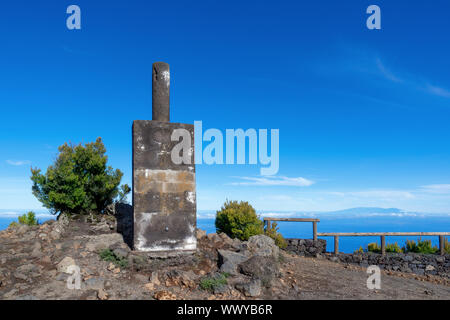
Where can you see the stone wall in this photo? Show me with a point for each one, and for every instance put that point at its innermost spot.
(421, 264)
(306, 247)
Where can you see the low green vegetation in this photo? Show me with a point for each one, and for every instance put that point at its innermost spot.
(390, 247)
(28, 219)
(422, 246)
(211, 283)
(239, 220)
(108, 255)
(360, 250)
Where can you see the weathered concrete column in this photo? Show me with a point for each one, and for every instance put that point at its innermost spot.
(164, 197)
(161, 91)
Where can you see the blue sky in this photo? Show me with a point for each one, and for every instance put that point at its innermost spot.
(363, 114)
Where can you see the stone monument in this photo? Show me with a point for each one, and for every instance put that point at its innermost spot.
(164, 198)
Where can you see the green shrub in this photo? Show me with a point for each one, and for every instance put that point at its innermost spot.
(275, 235)
(360, 250)
(373, 247)
(393, 247)
(108, 255)
(238, 220)
(390, 247)
(13, 225)
(446, 246)
(28, 219)
(79, 181)
(422, 246)
(214, 282)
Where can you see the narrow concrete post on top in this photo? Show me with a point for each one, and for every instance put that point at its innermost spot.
(441, 245)
(161, 92)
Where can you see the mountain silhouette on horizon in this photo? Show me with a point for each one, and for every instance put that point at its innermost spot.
(366, 210)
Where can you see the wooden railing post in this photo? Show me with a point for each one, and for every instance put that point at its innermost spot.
(441, 245)
(336, 244)
(383, 245)
(314, 231)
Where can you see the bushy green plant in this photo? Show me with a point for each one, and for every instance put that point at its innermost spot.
(275, 235)
(373, 247)
(238, 220)
(108, 255)
(446, 246)
(28, 219)
(13, 225)
(422, 246)
(390, 248)
(211, 283)
(393, 247)
(79, 181)
(360, 250)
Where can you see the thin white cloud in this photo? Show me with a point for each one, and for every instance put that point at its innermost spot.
(16, 213)
(18, 162)
(412, 81)
(437, 188)
(438, 91)
(274, 181)
(386, 72)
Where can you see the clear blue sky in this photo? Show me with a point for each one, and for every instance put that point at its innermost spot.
(363, 114)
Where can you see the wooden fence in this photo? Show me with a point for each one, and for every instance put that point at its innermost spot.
(382, 235)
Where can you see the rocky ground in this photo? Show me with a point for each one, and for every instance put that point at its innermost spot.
(36, 262)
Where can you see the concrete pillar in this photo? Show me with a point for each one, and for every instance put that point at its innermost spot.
(164, 197)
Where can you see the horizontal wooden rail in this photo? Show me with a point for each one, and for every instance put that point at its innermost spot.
(314, 222)
(383, 236)
(367, 234)
(292, 219)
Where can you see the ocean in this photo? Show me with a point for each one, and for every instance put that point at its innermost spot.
(328, 223)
